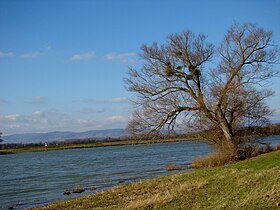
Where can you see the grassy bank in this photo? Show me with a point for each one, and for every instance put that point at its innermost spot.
(250, 184)
(90, 145)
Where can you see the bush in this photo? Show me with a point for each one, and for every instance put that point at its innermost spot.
(213, 160)
(253, 150)
(223, 157)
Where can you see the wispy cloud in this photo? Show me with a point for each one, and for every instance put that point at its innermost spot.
(3, 101)
(102, 101)
(39, 114)
(37, 100)
(31, 55)
(90, 101)
(91, 111)
(48, 46)
(42, 121)
(9, 118)
(83, 56)
(121, 99)
(38, 121)
(275, 117)
(116, 119)
(6, 54)
(54, 120)
(122, 57)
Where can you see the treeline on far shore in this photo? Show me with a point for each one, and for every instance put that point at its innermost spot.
(273, 129)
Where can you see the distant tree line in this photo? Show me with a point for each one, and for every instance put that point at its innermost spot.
(273, 129)
(59, 143)
(252, 131)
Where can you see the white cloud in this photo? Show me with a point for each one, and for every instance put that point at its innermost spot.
(90, 101)
(35, 122)
(116, 118)
(6, 54)
(121, 99)
(275, 117)
(91, 111)
(101, 101)
(39, 114)
(54, 120)
(122, 57)
(9, 118)
(38, 100)
(83, 56)
(30, 55)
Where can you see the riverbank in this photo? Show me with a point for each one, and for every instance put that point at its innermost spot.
(90, 145)
(250, 184)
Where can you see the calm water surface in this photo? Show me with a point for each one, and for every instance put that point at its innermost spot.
(32, 179)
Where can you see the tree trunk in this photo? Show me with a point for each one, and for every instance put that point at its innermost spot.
(226, 129)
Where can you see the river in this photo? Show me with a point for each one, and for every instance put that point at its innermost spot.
(38, 178)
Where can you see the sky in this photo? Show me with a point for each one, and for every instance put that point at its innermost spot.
(62, 62)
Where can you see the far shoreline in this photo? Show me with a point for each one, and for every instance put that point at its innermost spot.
(92, 145)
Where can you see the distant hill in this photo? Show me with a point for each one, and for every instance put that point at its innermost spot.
(59, 135)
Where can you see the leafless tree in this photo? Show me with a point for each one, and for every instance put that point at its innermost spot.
(1, 136)
(190, 82)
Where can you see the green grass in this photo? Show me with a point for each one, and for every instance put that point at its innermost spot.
(250, 184)
(90, 145)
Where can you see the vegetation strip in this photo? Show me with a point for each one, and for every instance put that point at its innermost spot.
(250, 184)
(90, 145)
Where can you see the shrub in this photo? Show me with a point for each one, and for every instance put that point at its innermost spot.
(174, 167)
(223, 157)
(212, 160)
(262, 149)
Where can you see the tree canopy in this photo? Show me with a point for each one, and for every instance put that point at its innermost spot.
(191, 83)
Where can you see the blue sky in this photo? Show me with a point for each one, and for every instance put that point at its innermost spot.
(62, 62)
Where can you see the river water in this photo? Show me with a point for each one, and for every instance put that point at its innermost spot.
(38, 178)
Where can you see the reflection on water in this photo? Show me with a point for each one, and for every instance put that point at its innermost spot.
(32, 179)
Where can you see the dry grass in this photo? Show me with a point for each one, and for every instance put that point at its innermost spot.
(212, 160)
(166, 195)
(223, 156)
(174, 167)
(152, 201)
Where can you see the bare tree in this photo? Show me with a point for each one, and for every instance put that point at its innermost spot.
(1, 136)
(188, 82)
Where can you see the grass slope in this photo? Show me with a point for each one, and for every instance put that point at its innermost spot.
(250, 184)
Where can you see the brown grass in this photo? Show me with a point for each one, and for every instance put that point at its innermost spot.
(223, 156)
(212, 160)
(167, 195)
(174, 167)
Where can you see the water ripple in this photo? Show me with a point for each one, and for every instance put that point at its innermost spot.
(32, 179)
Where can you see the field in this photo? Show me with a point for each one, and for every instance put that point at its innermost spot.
(250, 184)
